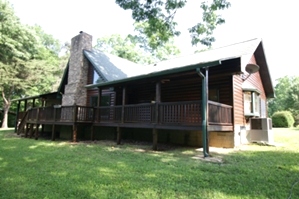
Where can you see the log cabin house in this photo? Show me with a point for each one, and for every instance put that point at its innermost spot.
(202, 100)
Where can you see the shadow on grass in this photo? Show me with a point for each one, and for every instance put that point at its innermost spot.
(45, 169)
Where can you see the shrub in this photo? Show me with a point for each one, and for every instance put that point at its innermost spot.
(283, 119)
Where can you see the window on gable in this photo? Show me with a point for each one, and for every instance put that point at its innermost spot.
(251, 103)
(96, 78)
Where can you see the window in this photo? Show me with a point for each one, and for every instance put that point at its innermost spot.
(105, 101)
(94, 101)
(96, 78)
(214, 94)
(251, 103)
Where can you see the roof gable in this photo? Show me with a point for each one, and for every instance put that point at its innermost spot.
(111, 67)
(264, 70)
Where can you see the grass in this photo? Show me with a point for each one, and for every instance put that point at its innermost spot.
(45, 169)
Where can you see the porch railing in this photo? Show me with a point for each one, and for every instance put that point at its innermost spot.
(180, 112)
(172, 113)
(61, 114)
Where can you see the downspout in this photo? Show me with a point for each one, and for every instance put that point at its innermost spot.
(204, 110)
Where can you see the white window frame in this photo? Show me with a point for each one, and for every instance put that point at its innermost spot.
(252, 102)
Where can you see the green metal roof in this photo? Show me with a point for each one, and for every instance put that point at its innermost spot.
(243, 50)
(56, 94)
(110, 67)
(156, 74)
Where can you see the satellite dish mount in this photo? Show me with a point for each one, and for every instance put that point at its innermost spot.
(250, 69)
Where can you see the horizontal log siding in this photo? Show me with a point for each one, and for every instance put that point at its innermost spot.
(94, 92)
(141, 93)
(238, 110)
(185, 88)
(224, 85)
(256, 81)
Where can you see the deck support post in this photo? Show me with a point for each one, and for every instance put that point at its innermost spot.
(43, 129)
(75, 128)
(155, 139)
(31, 130)
(92, 133)
(118, 137)
(36, 131)
(27, 129)
(53, 133)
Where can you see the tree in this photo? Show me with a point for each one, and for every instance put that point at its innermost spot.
(160, 15)
(280, 103)
(123, 47)
(137, 48)
(286, 97)
(26, 54)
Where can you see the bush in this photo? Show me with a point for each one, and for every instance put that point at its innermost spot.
(283, 119)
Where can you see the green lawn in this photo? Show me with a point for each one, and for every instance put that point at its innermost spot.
(45, 169)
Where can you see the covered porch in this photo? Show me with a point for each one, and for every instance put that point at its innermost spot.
(173, 116)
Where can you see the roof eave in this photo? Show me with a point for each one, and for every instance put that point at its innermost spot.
(35, 97)
(265, 73)
(157, 74)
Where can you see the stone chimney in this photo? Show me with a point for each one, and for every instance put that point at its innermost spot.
(75, 91)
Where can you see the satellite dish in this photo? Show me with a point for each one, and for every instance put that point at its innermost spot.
(252, 68)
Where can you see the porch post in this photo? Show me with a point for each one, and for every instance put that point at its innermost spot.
(204, 108)
(98, 110)
(17, 117)
(118, 129)
(25, 105)
(158, 101)
(99, 96)
(207, 109)
(43, 102)
(123, 105)
(33, 103)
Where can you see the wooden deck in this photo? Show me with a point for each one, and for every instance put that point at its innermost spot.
(174, 115)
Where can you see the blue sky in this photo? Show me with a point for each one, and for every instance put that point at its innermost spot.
(273, 21)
